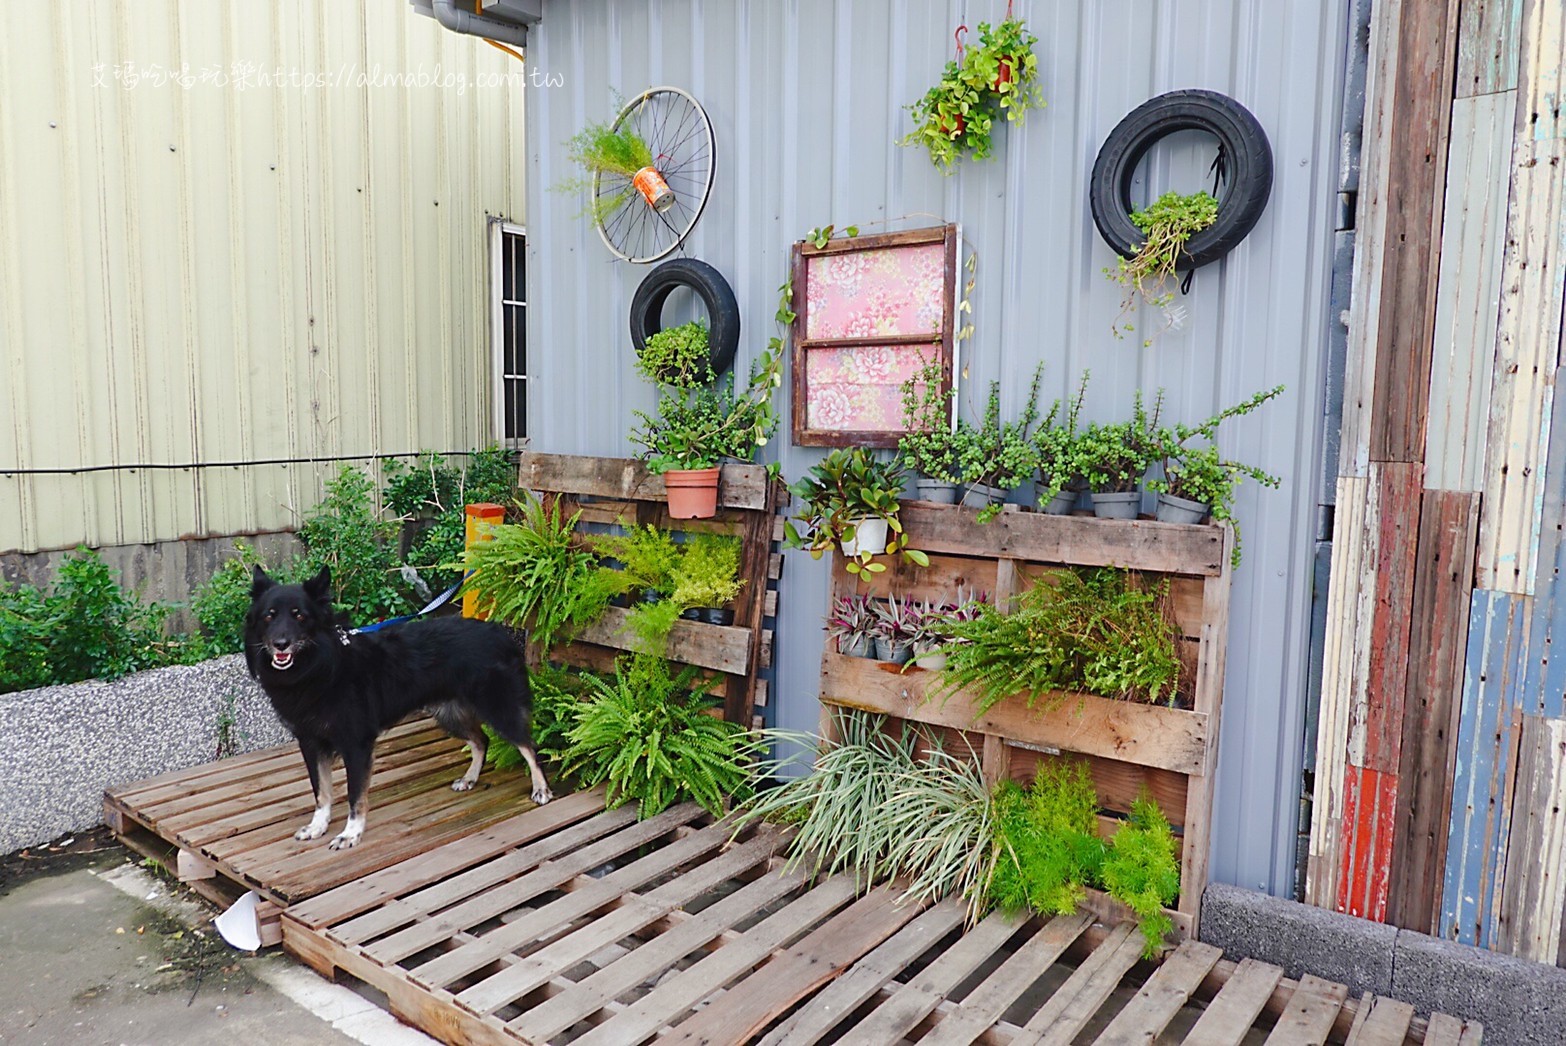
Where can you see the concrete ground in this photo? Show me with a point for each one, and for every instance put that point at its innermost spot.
(94, 949)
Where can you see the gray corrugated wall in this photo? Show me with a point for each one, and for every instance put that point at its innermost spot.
(806, 100)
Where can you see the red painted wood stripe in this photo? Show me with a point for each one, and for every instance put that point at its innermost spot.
(1370, 822)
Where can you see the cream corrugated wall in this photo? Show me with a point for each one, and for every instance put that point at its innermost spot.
(281, 254)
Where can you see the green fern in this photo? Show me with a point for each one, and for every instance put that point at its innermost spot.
(649, 736)
(1047, 838)
(1142, 871)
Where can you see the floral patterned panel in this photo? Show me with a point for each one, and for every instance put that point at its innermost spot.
(868, 294)
(859, 389)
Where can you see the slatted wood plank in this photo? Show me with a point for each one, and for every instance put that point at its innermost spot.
(1533, 894)
(1446, 1030)
(1468, 307)
(1543, 72)
(983, 1006)
(1310, 1014)
(739, 486)
(722, 648)
(635, 914)
(921, 996)
(590, 995)
(1487, 40)
(1074, 1003)
(1235, 1008)
(1443, 571)
(1380, 1022)
(816, 1018)
(1171, 986)
(738, 1016)
(671, 999)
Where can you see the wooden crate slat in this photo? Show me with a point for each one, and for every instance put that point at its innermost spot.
(679, 993)
(1074, 1003)
(718, 647)
(596, 991)
(983, 1006)
(739, 486)
(1237, 1005)
(1167, 738)
(1380, 1022)
(1446, 1030)
(1310, 1014)
(917, 999)
(811, 1022)
(814, 960)
(1166, 991)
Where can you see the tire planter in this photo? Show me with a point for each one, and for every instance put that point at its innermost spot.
(693, 493)
(708, 284)
(1241, 200)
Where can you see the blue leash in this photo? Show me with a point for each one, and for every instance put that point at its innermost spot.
(433, 605)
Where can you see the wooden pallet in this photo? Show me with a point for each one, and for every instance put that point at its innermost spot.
(1129, 747)
(611, 492)
(229, 826)
(566, 923)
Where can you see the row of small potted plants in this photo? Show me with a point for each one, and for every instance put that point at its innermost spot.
(899, 629)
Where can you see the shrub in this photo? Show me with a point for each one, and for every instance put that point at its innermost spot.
(1142, 872)
(708, 571)
(1047, 838)
(345, 533)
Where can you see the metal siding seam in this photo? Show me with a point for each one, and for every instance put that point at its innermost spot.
(1526, 350)
(1468, 302)
(239, 302)
(1375, 172)
(1344, 660)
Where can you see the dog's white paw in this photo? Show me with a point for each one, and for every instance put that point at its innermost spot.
(344, 841)
(309, 831)
(462, 784)
(542, 795)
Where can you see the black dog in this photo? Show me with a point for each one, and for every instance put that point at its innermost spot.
(337, 692)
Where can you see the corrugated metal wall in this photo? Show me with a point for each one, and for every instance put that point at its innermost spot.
(277, 252)
(806, 100)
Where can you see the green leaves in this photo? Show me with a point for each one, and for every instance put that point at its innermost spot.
(1168, 223)
(677, 356)
(1142, 870)
(839, 493)
(698, 427)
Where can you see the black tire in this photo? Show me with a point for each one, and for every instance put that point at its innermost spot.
(1241, 198)
(723, 317)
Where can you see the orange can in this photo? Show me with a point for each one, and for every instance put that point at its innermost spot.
(653, 188)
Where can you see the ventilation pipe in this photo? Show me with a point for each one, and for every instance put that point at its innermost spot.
(505, 21)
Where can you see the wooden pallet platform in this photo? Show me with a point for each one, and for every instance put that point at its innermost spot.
(569, 924)
(234, 821)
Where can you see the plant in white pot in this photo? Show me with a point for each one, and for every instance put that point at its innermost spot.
(850, 500)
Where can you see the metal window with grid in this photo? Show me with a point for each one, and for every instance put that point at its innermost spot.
(508, 266)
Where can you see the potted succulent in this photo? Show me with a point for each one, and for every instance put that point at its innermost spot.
(677, 356)
(995, 458)
(852, 623)
(707, 577)
(895, 624)
(1114, 459)
(1059, 484)
(850, 500)
(927, 447)
(1168, 223)
(696, 428)
(599, 149)
(957, 115)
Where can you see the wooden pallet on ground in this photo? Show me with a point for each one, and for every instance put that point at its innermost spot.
(568, 924)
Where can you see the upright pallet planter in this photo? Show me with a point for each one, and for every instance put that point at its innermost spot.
(620, 491)
(1171, 752)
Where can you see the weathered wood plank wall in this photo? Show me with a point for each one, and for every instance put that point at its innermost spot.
(1442, 741)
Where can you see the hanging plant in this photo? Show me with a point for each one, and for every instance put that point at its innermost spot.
(1168, 223)
(600, 149)
(956, 117)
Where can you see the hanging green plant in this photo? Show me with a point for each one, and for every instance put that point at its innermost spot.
(956, 117)
(677, 356)
(597, 149)
(1168, 222)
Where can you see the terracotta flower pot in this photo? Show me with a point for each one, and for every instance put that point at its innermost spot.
(693, 493)
(953, 126)
(1003, 73)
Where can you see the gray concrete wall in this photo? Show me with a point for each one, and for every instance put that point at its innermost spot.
(1521, 1003)
(65, 744)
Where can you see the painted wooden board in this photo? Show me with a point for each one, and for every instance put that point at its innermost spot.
(1369, 825)
(1526, 350)
(1468, 303)
(1533, 895)
(1345, 665)
(1415, 154)
(1390, 575)
(1497, 627)
(1370, 243)
(1543, 690)
(1488, 35)
(1443, 579)
(739, 486)
(1543, 72)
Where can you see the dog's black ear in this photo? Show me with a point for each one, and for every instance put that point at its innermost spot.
(260, 581)
(319, 588)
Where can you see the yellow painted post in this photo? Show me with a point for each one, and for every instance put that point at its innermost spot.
(479, 518)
